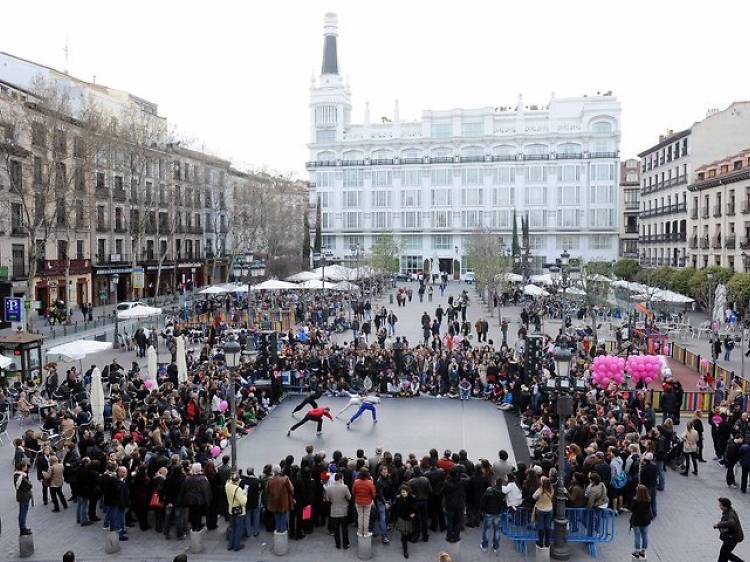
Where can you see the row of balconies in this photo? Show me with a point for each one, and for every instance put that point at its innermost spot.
(677, 180)
(459, 159)
(729, 210)
(729, 242)
(661, 261)
(120, 195)
(663, 237)
(147, 256)
(664, 210)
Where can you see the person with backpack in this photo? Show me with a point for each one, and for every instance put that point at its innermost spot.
(730, 531)
(252, 486)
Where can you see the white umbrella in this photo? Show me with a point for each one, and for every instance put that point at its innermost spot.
(337, 273)
(316, 284)
(5, 362)
(346, 286)
(534, 291)
(274, 285)
(97, 397)
(510, 277)
(77, 350)
(240, 289)
(213, 290)
(544, 279)
(152, 365)
(574, 291)
(181, 360)
(599, 278)
(304, 276)
(138, 312)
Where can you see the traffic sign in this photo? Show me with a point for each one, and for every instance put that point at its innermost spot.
(12, 309)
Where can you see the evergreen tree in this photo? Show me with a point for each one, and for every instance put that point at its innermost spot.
(526, 257)
(318, 246)
(515, 248)
(306, 240)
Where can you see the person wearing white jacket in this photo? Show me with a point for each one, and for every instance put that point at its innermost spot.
(690, 448)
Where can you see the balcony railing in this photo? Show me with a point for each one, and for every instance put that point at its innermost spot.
(745, 243)
(705, 214)
(694, 213)
(102, 193)
(119, 195)
(693, 242)
(631, 230)
(120, 228)
(106, 259)
(664, 210)
(664, 237)
(731, 242)
(569, 156)
(57, 267)
(704, 242)
(102, 227)
(536, 156)
(473, 158)
(677, 180)
(603, 154)
(441, 159)
(18, 230)
(631, 205)
(716, 243)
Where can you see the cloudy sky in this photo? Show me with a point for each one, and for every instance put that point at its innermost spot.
(235, 75)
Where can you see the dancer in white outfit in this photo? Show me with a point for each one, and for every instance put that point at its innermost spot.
(354, 400)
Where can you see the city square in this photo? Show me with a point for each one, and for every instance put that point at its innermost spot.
(501, 316)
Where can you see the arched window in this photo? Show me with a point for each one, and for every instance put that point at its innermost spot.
(569, 149)
(382, 154)
(412, 153)
(472, 151)
(536, 149)
(327, 156)
(443, 152)
(504, 150)
(353, 155)
(601, 127)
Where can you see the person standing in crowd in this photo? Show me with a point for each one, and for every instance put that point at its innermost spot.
(543, 511)
(419, 485)
(338, 495)
(364, 494)
(24, 495)
(195, 495)
(730, 531)
(384, 499)
(640, 519)
(280, 499)
(252, 486)
(690, 448)
(454, 494)
(404, 513)
(491, 506)
(236, 501)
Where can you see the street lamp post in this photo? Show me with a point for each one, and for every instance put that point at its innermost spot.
(232, 351)
(115, 282)
(562, 386)
(714, 332)
(564, 265)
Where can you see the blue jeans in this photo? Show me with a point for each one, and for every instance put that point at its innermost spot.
(82, 510)
(652, 492)
(544, 527)
(173, 516)
(364, 407)
(641, 537)
(236, 525)
(493, 522)
(382, 520)
(252, 521)
(23, 511)
(281, 521)
(464, 394)
(661, 476)
(117, 520)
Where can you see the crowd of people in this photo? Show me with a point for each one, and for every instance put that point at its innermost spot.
(155, 461)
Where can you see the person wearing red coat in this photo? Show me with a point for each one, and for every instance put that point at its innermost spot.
(316, 415)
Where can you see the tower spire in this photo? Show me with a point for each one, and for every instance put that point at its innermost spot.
(330, 55)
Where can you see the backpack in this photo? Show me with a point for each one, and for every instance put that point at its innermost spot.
(621, 480)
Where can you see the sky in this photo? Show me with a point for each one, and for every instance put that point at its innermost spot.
(234, 76)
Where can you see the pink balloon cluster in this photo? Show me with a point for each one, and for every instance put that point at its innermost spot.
(223, 405)
(215, 451)
(644, 368)
(148, 383)
(607, 368)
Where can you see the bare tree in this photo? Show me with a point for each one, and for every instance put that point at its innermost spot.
(487, 258)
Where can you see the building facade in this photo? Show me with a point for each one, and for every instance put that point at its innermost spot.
(437, 181)
(722, 238)
(630, 186)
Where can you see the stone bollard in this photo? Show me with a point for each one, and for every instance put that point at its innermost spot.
(542, 554)
(196, 541)
(25, 545)
(454, 549)
(280, 543)
(364, 546)
(111, 542)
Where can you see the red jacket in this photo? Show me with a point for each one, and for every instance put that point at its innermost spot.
(318, 413)
(363, 491)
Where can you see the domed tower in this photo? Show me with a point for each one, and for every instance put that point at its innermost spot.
(330, 99)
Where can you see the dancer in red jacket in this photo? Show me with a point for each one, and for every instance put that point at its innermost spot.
(316, 415)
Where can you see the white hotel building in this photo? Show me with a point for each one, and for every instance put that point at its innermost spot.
(436, 181)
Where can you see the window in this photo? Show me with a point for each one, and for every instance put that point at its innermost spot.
(381, 219)
(381, 178)
(328, 242)
(442, 219)
(326, 220)
(353, 178)
(471, 219)
(16, 216)
(352, 219)
(350, 199)
(601, 194)
(569, 218)
(600, 242)
(570, 173)
(568, 242)
(411, 178)
(471, 196)
(442, 129)
(472, 176)
(381, 199)
(504, 176)
(411, 198)
(536, 242)
(535, 174)
(569, 195)
(412, 264)
(601, 127)
(502, 218)
(411, 219)
(324, 179)
(536, 195)
(536, 218)
(472, 128)
(569, 149)
(411, 242)
(602, 172)
(38, 171)
(631, 178)
(442, 176)
(602, 217)
(441, 241)
(502, 196)
(38, 134)
(442, 197)
(325, 135)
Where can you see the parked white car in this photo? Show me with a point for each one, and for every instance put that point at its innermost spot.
(127, 305)
(469, 277)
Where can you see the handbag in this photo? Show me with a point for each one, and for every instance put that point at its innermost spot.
(155, 501)
(620, 481)
(307, 513)
(236, 510)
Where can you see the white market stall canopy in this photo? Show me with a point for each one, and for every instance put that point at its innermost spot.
(535, 291)
(544, 279)
(336, 273)
(213, 290)
(5, 362)
(274, 285)
(509, 277)
(574, 291)
(346, 286)
(316, 284)
(662, 295)
(77, 350)
(305, 276)
(138, 312)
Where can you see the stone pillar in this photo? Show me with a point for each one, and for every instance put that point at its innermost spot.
(25, 546)
(196, 541)
(364, 546)
(542, 554)
(280, 543)
(454, 549)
